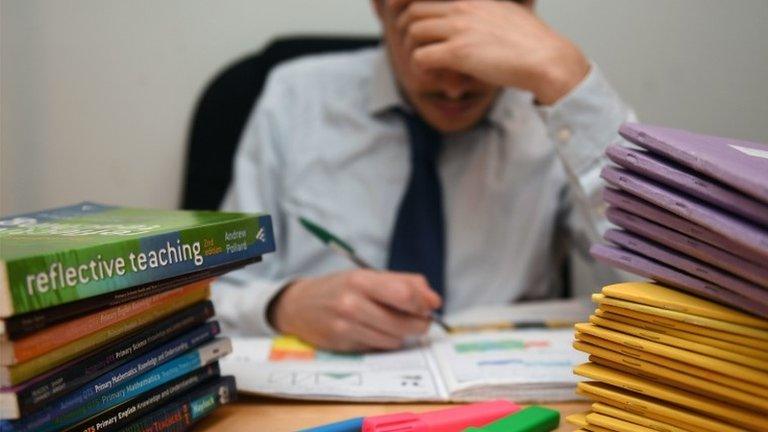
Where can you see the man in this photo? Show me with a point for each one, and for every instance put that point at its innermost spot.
(455, 156)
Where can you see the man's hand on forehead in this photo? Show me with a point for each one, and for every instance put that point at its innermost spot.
(422, 22)
(499, 42)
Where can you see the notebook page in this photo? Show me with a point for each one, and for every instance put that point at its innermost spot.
(286, 367)
(523, 365)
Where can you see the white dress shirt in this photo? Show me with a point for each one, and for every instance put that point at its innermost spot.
(323, 142)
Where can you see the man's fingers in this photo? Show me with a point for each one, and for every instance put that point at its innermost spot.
(367, 338)
(395, 290)
(429, 31)
(398, 294)
(390, 321)
(440, 55)
(421, 284)
(420, 10)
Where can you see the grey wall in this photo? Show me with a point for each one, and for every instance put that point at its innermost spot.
(96, 95)
(698, 64)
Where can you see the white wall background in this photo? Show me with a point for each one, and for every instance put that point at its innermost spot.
(96, 95)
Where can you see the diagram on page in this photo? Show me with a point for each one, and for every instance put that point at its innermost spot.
(522, 362)
(288, 367)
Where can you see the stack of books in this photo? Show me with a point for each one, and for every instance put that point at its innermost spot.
(689, 351)
(106, 318)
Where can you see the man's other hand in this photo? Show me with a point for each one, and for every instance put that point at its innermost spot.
(500, 42)
(357, 310)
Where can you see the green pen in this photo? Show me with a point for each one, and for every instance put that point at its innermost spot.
(345, 249)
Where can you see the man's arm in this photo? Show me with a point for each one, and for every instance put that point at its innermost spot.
(581, 125)
(505, 44)
(352, 310)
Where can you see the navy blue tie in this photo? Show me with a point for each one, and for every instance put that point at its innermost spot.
(418, 239)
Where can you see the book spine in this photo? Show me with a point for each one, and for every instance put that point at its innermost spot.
(184, 412)
(19, 326)
(52, 418)
(135, 367)
(48, 280)
(133, 410)
(48, 361)
(74, 375)
(59, 335)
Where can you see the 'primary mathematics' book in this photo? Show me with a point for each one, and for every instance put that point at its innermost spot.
(67, 254)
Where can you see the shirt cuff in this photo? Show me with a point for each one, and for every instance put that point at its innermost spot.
(585, 121)
(242, 307)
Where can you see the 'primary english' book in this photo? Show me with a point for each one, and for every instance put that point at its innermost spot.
(55, 418)
(71, 253)
(182, 413)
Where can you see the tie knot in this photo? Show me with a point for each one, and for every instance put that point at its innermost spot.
(425, 140)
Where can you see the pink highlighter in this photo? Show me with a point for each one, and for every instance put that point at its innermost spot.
(445, 420)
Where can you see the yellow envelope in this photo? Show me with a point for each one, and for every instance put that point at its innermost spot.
(691, 328)
(683, 381)
(702, 339)
(724, 367)
(726, 326)
(589, 344)
(700, 348)
(653, 408)
(675, 300)
(718, 409)
(605, 409)
(578, 419)
(615, 424)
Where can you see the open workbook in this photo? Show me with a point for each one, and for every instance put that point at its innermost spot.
(522, 365)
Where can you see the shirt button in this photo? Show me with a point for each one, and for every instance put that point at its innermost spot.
(564, 135)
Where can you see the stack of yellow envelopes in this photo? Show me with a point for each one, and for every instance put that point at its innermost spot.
(663, 360)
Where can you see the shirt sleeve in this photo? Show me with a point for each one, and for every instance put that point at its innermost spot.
(242, 297)
(582, 125)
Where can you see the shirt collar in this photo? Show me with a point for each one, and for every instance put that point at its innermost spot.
(384, 92)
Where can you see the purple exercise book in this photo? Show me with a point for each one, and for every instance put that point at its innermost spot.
(644, 209)
(737, 287)
(689, 246)
(678, 177)
(742, 165)
(646, 267)
(739, 230)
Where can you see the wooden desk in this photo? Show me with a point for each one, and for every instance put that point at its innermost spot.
(252, 414)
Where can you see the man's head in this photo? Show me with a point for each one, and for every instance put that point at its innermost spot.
(449, 101)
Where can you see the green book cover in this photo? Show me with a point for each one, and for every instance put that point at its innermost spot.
(66, 254)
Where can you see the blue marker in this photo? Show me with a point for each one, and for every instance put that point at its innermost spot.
(351, 425)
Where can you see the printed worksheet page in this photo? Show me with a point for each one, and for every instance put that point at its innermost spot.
(287, 367)
(523, 365)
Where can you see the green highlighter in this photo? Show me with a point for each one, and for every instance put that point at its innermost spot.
(532, 419)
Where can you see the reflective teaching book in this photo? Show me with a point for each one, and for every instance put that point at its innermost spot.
(58, 256)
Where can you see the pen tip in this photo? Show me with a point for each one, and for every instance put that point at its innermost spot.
(439, 320)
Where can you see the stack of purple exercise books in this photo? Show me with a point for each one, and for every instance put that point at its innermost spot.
(693, 213)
